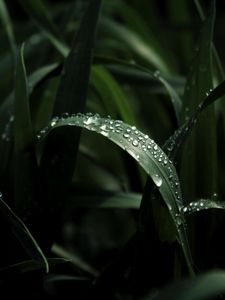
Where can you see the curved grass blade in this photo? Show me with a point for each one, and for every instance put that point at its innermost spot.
(7, 24)
(202, 204)
(146, 152)
(23, 234)
(174, 144)
(28, 266)
(23, 127)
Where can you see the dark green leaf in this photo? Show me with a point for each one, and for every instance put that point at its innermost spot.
(23, 235)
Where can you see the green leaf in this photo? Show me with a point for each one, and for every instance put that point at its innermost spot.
(23, 127)
(104, 200)
(125, 66)
(24, 153)
(200, 180)
(145, 151)
(175, 143)
(137, 45)
(202, 204)
(57, 163)
(111, 93)
(23, 234)
(7, 24)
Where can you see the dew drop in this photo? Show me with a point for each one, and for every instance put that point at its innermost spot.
(126, 135)
(157, 180)
(135, 143)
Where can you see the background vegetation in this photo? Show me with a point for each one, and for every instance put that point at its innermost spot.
(132, 207)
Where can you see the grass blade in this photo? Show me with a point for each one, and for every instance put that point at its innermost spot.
(24, 152)
(73, 86)
(138, 46)
(23, 126)
(202, 204)
(111, 93)
(23, 234)
(4, 15)
(105, 200)
(146, 152)
(28, 266)
(129, 67)
(200, 181)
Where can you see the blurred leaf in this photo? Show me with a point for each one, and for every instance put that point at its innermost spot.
(104, 200)
(23, 234)
(202, 204)
(124, 66)
(30, 265)
(111, 93)
(201, 180)
(135, 44)
(23, 127)
(39, 12)
(7, 24)
(74, 258)
(58, 162)
(202, 287)
(24, 152)
(146, 152)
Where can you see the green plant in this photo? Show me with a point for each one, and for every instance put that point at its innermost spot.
(88, 218)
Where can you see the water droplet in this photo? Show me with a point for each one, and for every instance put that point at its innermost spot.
(157, 180)
(126, 135)
(155, 147)
(135, 143)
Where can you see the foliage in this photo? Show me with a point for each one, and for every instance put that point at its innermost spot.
(81, 217)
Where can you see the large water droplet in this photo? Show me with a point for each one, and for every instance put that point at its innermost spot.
(135, 143)
(157, 180)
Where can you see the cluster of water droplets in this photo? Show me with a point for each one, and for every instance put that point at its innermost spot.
(202, 204)
(128, 137)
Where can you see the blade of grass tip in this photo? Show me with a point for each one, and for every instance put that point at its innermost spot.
(25, 171)
(58, 161)
(145, 151)
(7, 24)
(200, 180)
(39, 12)
(23, 234)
